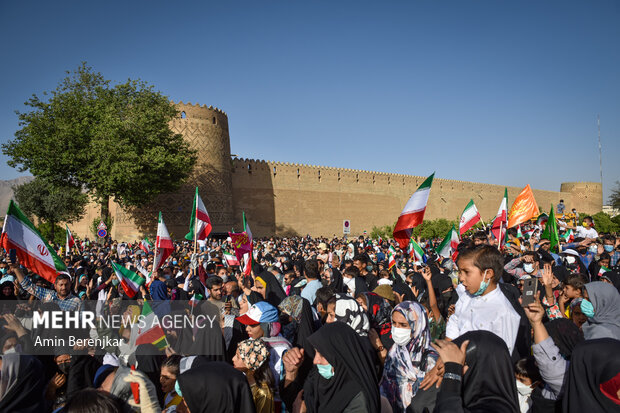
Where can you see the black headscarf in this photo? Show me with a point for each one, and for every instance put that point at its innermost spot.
(593, 364)
(274, 294)
(565, 334)
(302, 325)
(22, 384)
(354, 371)
(489, 383)
(207, 340)
(336, 283)
(216, 387)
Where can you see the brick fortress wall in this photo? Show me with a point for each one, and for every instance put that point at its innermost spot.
(291, 199)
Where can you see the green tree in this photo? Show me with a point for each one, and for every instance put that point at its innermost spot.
(614, 198)
(50, 203)
(604, 223)
(114, 141)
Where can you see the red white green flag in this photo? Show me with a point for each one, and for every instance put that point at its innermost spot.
(391, 257)
(519, 233)
(130, 281)
(146, 245)
(413, 213)
(33, 252)
(163, 243)
(448, 246)
(200, 223)
(603, 270)
(469, 217)
(231, 259)
(415, 251)
(70, 243)
(569, 236)
(151, 333)
(500, 223)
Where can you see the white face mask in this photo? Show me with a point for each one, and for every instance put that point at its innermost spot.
(523, 389)
(570, 259)
(401, 336)
(350, 283)
(528, 268)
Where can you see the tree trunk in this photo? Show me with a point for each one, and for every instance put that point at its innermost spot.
(105, 209)
(52, 238)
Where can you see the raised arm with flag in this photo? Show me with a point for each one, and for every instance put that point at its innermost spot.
(200, 223)
(163, 244)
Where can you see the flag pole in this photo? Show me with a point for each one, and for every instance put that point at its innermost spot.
(499, 243)
(195, 226)
(483, 224)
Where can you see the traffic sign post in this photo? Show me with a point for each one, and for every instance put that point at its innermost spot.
(346, 227)
(102, 233)
(102, 225)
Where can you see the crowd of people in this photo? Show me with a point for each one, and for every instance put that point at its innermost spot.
(331, 325)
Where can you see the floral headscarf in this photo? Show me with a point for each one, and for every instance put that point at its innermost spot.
(292, 305)
(253, 353)
(405, 366)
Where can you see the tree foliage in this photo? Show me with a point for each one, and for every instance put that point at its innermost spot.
(114, 141)
(604, 223)
(50, 202)
(614, 198)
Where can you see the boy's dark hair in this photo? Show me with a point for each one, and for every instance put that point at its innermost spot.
(311, 269)
(213, 281)
(576, 281)
(481, 235)
(512, 231)
(172, 363)
(526, 367)
(604, 256)
(361, 258)
(323, 295)
(353, 271)
(485, 257)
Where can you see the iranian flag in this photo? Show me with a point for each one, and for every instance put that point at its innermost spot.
(415, 251)
(151, 333)
(469, 217)
(70, 243)
(163, 244)
(391, 257)
(196, 298)
(448, 246)
(413, 213)
(200, 223)
(499, 224)
(146, 245)
(569, 236)
(32, 250)
(519, 233)
(603, 270)
(231, 259)
(130, 281)
(247, 263)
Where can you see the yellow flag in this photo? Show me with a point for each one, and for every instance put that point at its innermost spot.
(523, 208)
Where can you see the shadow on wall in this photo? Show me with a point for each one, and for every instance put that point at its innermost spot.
(253, 193)
(177, 207)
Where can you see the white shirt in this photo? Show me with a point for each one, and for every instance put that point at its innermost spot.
(491, 312)
(583, 232)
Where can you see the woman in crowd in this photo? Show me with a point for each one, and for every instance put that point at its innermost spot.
(252, 359)
(409, 359)
(601, 305)
(214, 387)
(344, 379)
(478, 375)
(167, 378)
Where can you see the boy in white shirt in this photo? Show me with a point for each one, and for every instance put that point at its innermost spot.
(481, 304)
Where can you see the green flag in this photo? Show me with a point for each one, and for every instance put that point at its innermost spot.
(551, 232)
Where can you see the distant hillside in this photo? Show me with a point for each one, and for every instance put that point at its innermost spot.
(6, 191)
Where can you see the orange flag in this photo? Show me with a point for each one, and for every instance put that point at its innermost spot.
(523, 208)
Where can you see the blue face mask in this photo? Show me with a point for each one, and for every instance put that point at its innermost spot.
(2, 270)
(587, 308)
(177, 388)
(325, 370)
(608, 248)
(369, 267)
(483, 285)
(115, 282)
(174, 262)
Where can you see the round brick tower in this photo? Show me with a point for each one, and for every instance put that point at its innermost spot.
(585, 196)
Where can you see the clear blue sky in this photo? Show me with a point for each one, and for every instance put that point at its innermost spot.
(502, 92)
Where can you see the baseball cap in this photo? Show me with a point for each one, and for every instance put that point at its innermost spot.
(261, 312)
(570, 252)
